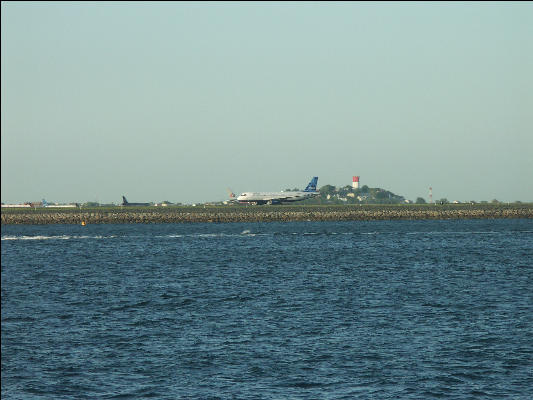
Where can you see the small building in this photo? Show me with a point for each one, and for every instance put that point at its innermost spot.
(26, 205)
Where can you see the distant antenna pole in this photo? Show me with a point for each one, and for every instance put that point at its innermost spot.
(430, 195)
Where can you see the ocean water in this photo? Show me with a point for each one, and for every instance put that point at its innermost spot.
(310, 310)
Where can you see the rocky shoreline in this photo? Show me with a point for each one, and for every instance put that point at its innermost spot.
(264, 214)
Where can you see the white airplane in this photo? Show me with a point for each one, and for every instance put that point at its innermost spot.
(279, 197)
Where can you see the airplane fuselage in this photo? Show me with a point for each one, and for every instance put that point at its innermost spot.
(280, 197)
(125, 203)
(274, 197)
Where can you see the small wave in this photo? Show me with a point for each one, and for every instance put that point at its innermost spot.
(304, 384)
(57, 237)
(246, 232)
(39, 237)
(454, 233)
(213, 235)
(208, 235)
(18, 319)
(140, 304)
(218, 235)
(170, 236)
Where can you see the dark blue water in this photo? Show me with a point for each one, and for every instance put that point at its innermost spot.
(365, 310)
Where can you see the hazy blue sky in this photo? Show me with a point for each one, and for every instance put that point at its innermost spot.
(178, 101)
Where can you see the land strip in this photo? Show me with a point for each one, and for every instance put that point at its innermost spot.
(146, 215)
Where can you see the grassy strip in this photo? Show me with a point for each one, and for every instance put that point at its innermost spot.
(267, 208)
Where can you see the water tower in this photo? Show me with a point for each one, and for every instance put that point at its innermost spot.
(355, 182)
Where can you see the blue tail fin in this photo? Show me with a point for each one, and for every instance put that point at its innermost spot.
(312, 185)
(124, 201)
(45, 203)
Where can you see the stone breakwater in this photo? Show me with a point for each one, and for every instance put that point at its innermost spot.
(263, 214)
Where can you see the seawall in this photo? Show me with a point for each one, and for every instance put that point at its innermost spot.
(118, 215)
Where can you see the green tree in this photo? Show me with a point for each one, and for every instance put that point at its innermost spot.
(382, 195)
(420, 200)
(343, 191)
(327, 189)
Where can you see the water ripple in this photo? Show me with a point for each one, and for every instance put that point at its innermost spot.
(398, 309)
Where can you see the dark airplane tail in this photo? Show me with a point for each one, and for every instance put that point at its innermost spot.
(124, 201)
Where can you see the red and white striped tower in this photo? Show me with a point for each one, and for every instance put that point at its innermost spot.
(430, 195)
(355, 182)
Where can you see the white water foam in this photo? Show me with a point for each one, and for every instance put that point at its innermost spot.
(58, 237)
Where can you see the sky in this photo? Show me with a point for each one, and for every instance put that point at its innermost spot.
(179, 101)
